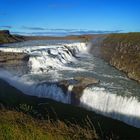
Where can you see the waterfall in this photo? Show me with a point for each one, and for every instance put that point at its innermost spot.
(118, 107)
(46, 90)
(60, 60)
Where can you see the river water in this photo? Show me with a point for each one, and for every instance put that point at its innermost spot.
(116, 96)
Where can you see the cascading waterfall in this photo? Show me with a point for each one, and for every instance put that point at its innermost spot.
(42, 59)
(46, 90)
(45, 58)
(64, 57)
(117, 107)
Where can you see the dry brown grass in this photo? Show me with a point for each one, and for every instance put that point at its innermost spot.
(17, 125)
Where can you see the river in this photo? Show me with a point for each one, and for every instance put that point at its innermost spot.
(115, 96)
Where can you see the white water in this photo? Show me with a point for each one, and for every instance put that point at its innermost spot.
(117, 107)
(51, 91)
(45, 58)
(116, 96)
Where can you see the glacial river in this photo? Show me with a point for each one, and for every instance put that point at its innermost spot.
(115, 96)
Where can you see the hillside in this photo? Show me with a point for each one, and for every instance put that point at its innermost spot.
(6, 37)
(16, 125)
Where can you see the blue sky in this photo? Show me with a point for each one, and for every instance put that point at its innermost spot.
(56, 17)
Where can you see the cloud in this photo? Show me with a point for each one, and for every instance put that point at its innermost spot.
(66, 31)
(38, 31)
(50, 33)
(6, 26)
(95, 32)
(33, 28)
(19, 33)
(47, 29)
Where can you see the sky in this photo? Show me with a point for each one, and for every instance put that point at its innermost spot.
(62, 17)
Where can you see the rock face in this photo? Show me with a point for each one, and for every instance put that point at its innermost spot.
(76, 86)
(6, 37)
(9, 57)
(123, 52)
(14, 61)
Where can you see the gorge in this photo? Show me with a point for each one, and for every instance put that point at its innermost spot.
(59, 69)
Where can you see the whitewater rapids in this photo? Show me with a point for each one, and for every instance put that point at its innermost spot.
(115, 96)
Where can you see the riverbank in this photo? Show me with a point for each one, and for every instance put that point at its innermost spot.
(42, 109)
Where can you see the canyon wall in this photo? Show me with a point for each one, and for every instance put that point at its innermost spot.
(121, 51)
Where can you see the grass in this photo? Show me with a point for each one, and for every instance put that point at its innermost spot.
(17, 125)
(75, 120)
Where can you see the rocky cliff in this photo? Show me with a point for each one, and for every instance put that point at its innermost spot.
(123, 52)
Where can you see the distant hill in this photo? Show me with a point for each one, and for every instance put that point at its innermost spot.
(6, 37)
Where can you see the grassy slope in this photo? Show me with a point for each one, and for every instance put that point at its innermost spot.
(40, 108)
(123, 52)
(17, 125)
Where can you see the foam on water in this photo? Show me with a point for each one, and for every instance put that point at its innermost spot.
(46, 90)
(51, 57)
(117, 107)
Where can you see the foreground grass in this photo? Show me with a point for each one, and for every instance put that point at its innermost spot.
(34, 117)
(19, 126)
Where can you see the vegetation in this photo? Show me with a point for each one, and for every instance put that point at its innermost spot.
(17, 125)
(47, 119)
(6, 37)
(130, 38)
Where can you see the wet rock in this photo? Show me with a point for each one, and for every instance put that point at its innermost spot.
(14, 61)
(8, 57)
(76, 86)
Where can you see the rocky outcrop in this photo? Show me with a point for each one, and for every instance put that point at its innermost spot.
(123, 52)
(76, 86)
(9, 57)
(14, 61)
(6, 37)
